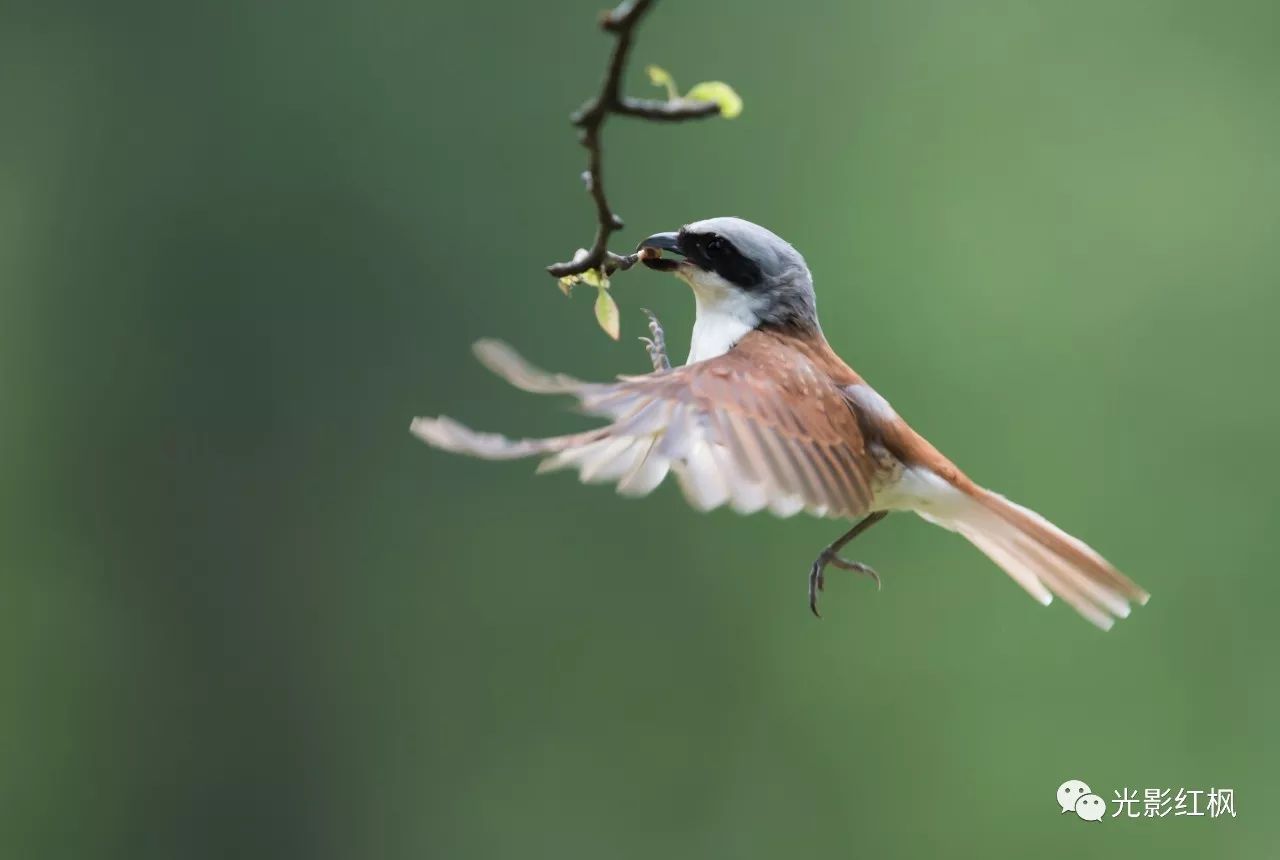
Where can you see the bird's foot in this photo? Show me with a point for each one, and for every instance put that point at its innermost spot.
(657, 346)
(818, 580)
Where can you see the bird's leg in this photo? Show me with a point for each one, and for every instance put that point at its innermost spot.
(657, 347)
(817, 580)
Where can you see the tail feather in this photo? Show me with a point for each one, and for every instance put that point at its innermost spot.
(1011, 562)
(1080, 555)
(1045, 560)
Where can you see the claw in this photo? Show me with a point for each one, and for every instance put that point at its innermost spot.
(857, 567)
(817, 574)
(657, 347)
(815, 585)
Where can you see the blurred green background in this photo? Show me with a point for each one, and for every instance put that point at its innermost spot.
(245, 614)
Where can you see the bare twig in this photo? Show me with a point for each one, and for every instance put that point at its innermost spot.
(590, 118)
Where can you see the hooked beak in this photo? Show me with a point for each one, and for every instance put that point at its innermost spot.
(662, 242)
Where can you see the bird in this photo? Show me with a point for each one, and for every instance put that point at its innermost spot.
(765, 415)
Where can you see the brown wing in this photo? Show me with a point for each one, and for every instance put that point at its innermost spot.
(760, 426)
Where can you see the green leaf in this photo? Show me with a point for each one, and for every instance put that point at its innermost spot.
(607, 314)
(596, 278)
(719, 92)
(568, 282)
(660, 77)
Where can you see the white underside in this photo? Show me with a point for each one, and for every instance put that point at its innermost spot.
(725, 314)
(921, 490)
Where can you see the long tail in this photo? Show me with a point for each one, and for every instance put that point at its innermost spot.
(1044, 559)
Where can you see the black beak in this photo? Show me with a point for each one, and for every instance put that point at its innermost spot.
(663, 242)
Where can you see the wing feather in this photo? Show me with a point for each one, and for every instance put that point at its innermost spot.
(758, 427)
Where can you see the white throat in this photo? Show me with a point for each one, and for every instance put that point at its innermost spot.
(724, 314)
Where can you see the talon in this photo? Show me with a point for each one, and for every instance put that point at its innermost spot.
(857, 567)
(815, 580)
(657, 347)
(830, 555)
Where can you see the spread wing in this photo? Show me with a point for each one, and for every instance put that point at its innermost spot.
(758, 427)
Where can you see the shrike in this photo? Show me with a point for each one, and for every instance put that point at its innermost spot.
(765, 415)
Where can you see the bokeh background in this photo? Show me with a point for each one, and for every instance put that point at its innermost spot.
(244, 614)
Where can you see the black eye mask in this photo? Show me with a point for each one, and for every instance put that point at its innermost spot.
(717, 254)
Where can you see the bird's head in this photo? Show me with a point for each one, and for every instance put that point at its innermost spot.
(738, 269)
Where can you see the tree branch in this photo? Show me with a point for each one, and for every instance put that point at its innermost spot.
(590, 118)
(665, 111)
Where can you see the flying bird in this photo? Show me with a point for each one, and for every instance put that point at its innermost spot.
(765, 415)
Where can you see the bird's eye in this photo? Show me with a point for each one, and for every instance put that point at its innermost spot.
(715, 247)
